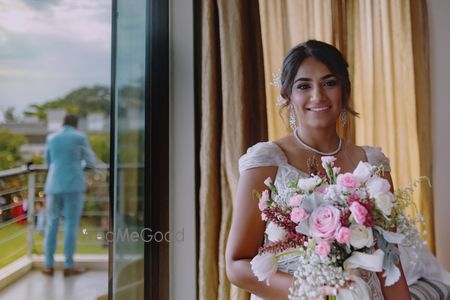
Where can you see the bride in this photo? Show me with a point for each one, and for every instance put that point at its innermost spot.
(315, 87)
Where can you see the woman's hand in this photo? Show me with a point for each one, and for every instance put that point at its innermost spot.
(247, 235)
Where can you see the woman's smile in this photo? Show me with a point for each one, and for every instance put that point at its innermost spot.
(320, 109)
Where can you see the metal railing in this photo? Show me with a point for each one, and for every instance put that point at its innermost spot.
(22, 204)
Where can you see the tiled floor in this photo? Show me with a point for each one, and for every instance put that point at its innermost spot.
(35, 286)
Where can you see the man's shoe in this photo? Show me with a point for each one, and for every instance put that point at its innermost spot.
(47, 271)
(73, 271)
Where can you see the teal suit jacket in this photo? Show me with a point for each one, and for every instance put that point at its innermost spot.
(67, 152)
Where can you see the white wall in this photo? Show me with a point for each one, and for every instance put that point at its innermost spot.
(439, 22)
(183, 261)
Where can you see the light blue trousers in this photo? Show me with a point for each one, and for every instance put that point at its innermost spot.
(70, 205)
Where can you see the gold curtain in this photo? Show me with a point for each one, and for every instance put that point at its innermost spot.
(389, 70)
(233, 118)
(286, 23)
(391, 89)
(421, 53)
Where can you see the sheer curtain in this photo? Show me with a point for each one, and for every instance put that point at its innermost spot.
(233, 118)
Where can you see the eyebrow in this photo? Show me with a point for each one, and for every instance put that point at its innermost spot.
(309, 79)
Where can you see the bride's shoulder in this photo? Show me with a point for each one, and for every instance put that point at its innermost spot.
(375, 156)
(356, 152)
(262, 154)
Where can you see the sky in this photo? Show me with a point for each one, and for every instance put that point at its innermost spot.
(51, 47)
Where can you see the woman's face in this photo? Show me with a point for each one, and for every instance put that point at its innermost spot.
(316, 95)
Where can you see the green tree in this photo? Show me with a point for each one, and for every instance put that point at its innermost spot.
(9, 115)
(100, 145)
(80, 101)
(10, 143)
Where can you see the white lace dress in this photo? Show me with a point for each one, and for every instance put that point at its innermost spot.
(270, 154)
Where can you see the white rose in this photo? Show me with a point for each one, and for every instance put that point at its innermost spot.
(361, 236)
(308, 184)
(264, 266)
(268, 182)
(385, 203)
(377, 185)
(275, 233)
(333, 192)
(363, 171)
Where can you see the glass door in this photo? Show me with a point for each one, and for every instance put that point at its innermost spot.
(140, 126)
(129, 147)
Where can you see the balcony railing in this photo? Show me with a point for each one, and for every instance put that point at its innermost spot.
(22, 213)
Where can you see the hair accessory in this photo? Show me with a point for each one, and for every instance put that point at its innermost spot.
(344, 118)
(276, 82)
(292, 120)
(314, 149)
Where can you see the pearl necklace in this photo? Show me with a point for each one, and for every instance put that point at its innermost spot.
(314, 149)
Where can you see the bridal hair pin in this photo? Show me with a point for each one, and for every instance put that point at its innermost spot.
(276, 82)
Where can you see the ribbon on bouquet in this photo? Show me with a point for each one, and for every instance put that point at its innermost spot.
(370, 262)
(360, 290)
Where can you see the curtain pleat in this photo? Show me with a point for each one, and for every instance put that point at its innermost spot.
(421, 53)
(286, 23)
(234, 117)
(391, 90)
(386, 45)
(243, 44)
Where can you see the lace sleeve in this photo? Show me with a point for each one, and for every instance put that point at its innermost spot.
(263, 154)
(376, 157)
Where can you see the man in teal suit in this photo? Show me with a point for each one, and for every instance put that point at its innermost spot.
(67, 154)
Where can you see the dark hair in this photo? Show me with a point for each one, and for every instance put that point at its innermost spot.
(325, 53)
(71, 120)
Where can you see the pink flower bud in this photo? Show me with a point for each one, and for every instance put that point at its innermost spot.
(295, 201)
(343, 235)
(359, 212)
(322, 248)
(298, 214)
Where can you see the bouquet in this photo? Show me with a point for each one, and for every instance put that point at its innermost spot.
(334, 224)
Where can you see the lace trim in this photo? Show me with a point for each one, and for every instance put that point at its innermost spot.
(376, 157)
(262, 155)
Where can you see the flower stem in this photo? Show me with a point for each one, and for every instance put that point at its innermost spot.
(293, 251)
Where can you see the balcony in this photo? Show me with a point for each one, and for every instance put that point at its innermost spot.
(22, 223)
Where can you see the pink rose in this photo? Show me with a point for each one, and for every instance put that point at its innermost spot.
(359, 212)
(263, 200)
(347, 181)
(327, 160)
(322, 189)
(322, 248)
(343, 235)
(324, 222)
(295, 201)
(298, 214)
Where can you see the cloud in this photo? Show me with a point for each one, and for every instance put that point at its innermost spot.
(47, 51)
(41, 4)
(81, 20)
